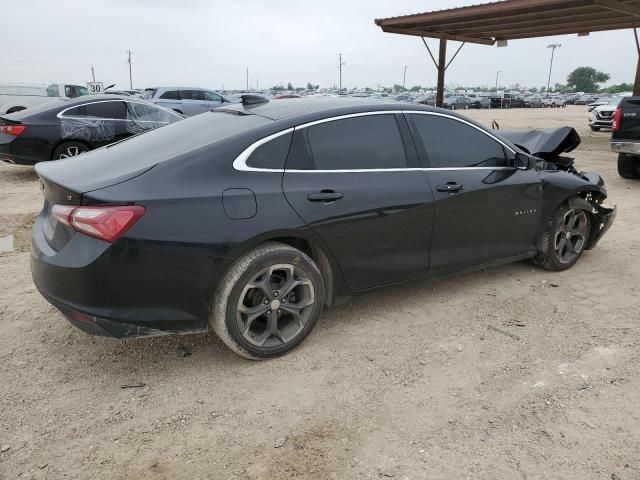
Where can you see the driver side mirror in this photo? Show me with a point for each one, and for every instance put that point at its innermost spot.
(524, 162)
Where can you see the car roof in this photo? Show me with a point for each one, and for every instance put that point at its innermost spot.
(177, 88)
(291, 108)
(57, 104)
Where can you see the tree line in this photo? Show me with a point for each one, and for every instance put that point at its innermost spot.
(582, 79)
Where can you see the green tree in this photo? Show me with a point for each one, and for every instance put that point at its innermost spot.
(310, 86)
(416, 88)
(534, 89)
(623, 87)
(277, 88)
(586, 79)
(398, 88)
(289, 86)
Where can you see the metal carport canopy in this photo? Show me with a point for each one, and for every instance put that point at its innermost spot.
(489, 23)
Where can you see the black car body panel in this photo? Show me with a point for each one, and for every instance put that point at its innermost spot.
(206, 204)
(93, 121)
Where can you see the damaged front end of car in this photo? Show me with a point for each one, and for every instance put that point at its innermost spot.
(548, 146)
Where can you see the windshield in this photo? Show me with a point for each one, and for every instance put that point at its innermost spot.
(148, 93)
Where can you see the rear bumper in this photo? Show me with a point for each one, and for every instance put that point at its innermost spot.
(632, 148)
(11, 152)
(123, 291)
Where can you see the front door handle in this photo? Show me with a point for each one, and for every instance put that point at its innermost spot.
(450, 187)
(325, 196)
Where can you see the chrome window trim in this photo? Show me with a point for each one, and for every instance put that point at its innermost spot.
(240, 163)
(61, 115)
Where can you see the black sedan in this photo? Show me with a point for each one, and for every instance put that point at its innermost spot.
(66, 128)
(250, 219)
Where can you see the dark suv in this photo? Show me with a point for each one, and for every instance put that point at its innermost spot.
(625, 137)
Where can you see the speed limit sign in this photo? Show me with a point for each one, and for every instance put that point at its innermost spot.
(95, 88)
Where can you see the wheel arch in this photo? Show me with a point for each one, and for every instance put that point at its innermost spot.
(336, 289)
(584, 198)
(67, 140)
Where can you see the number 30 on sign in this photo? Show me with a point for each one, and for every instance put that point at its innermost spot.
(95, 88)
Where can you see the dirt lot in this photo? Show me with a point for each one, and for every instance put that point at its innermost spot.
(407, 382)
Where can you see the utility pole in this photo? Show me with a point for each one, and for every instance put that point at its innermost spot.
(553, 47)
(340, 65)
(497, 74)
(404, 77)
(257, 85)
(130, 77)
(247, 79)
(93, 74)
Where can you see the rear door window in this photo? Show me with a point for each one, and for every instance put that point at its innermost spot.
(170, 95)
(452, 144)
(111, 110)
(358, 143)
(191, 95)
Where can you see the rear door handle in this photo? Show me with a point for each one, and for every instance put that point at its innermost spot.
(325, 196)
(451, 187)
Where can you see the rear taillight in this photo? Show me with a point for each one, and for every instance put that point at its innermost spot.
(106, 223)
(14, 130)
(616, 119)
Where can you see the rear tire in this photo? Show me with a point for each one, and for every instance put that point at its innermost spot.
(69, 149)
(268, 301)
(628, 166)
(564, 239)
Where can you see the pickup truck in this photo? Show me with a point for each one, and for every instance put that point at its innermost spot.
(19, 96)
(625, 137)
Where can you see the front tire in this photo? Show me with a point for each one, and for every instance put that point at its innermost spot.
(628, 166)
(268, 301)
(564, 238)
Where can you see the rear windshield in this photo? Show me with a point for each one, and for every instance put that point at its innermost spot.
(54, 105)
(93, 170)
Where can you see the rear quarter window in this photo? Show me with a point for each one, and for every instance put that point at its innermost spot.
(272, 154)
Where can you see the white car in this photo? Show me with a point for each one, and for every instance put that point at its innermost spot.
(602, 116)
(20, 96)
(554, 101)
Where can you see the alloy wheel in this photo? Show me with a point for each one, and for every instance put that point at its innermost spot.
(571, 235)
(275, 306)
(71, 152)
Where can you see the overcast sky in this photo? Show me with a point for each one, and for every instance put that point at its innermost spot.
(209, 43)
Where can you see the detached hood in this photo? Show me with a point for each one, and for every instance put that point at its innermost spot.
(549, 143)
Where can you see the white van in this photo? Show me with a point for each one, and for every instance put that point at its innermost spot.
(19, 96)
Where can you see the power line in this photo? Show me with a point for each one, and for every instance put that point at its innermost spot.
(340, 65)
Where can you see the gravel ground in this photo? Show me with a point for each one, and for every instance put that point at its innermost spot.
(407, 382)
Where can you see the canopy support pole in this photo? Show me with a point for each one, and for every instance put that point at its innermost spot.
(636, 84)
(442, 67)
